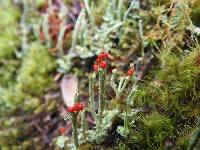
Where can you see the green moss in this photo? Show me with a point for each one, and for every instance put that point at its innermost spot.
(8, 71)
(176, 87)
(10, 14)
(40, 3)
(183, 142)
(195, 13)
(5, 136)
(8, 31)
(24, 95)
(33, 78)
(161, 2)
(180, 75)
(34, 75)
(175, 91)
(157, 128)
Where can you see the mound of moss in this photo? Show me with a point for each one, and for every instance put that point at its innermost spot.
(8, 30)
(157, 128)
(33, 77)
(35, 73)
(8, 72)
(25, 93)
(195, 13)
(176, 84)
(174, 92)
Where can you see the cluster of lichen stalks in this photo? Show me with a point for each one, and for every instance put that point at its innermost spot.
(99, 67)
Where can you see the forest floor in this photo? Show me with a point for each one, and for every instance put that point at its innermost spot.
(146, 83)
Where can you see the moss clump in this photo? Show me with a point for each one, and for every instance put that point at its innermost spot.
(40, 3)
(175, 92)
(195, 13)
(157, 128)
(176, 87)
(180, 77)
(33, 78)
(34, 74)
(8, 31)
(25, 95)
(183, 142)
(161, 2)
(8, 71)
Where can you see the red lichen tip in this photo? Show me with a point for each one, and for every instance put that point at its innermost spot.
(62, 130)
(82, 5)
(76, 108)
(104, 65)
(130, 72)
(98, 61)
(70, 109)
(95, 67)
(103, 55)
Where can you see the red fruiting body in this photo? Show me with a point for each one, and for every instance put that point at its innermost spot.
(103, 64)
(98, 61)
(76, 108)
(82, 5)
(103, 55)
(62, 130)
(70, 109)
(130, 72)
(95, 67)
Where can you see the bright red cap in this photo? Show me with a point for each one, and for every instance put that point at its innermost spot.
(62, 130)
(98, 61)
(95, 67)
(130, 72)
(76, 108)
(104, 65)
(70, 109)
(103, 55)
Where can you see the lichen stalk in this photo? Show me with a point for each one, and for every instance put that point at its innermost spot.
(45, 27)
(91, 94)
(62, 30)
(24, 28)
(88, 10)
(129, 98)
(84, 126)
(102, 74)
(76, 31)
(113, 77)
(141, 37)
(121, 86)
(75, 128)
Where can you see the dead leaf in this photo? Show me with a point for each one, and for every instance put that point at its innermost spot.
(69, 87)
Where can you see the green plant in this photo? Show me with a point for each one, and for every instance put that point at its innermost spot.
(195, 137)
(8, 28)
(156, 129)
(32, 78)
(195, 13)
(35, 69)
